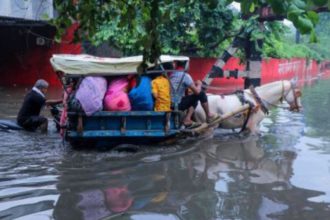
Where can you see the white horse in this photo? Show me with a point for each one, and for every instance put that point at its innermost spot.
(264, 97)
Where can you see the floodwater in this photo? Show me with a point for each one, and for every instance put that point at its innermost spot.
(283, 173)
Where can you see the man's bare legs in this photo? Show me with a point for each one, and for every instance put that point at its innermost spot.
(187, 119)
(209, 116)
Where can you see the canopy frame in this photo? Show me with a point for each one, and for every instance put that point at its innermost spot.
(86, 65)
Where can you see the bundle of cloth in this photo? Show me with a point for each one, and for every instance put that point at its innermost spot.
(116, 98)
(141, 97)
(95, 94)
(90, 94)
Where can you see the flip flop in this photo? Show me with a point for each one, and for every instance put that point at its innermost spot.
(193, 125)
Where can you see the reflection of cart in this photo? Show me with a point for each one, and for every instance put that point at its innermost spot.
(110, 126)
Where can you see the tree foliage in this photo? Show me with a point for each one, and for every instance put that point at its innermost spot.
(280, 43)
(152, 27)
(323, 32)
(175, 26)
(302, 13)
(199, 29)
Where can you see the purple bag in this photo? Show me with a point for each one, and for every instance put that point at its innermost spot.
(90, 94)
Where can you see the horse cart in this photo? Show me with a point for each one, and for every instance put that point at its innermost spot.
(111, 127)
(114, 127)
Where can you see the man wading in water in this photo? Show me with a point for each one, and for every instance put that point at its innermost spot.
(28, 116)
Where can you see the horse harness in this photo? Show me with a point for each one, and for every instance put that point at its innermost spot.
(252, 106)
(296, 94)
(243, 100)
(258, 100)
(260, 103)
(263, 107)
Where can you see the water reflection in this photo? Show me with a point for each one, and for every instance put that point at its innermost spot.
(233, 179)
(251, 166)
(316, 100)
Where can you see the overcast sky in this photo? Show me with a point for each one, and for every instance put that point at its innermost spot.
(236, 5)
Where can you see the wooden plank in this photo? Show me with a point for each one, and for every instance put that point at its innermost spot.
(195, 131)
(232, 113)
(206, 126)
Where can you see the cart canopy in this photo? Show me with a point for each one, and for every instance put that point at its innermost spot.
(84, 64)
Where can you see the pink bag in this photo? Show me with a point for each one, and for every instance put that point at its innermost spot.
(91, 93)
(116, 98)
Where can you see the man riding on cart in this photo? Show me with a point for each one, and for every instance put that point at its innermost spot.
(181, 81)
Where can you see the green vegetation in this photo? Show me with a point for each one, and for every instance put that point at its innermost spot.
(280, 49)
(323, 32)
(200, 27)
(199, 30)
(280, 43)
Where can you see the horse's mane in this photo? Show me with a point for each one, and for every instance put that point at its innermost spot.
(269, 85)
(263, 87)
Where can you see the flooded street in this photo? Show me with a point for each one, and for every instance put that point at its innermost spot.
(284, 173)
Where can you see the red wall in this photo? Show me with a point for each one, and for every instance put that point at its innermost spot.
(34, 64)
(271, 70)
(278, 69)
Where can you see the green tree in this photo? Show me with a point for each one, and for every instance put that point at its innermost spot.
(302, 13)
(173, 26)
(198, 30)
(323, 32)
(279, 43)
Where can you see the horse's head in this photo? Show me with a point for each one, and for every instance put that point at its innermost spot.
(292, 96)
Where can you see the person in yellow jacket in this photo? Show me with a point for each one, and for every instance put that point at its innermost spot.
(161, 91)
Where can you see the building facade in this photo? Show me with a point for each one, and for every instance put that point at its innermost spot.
(26, 42)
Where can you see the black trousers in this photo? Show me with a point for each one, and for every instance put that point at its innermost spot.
(192, 101)
(32, 123)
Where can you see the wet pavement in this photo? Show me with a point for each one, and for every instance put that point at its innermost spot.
(283, 173)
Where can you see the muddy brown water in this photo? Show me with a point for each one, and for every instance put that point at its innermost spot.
(282, 173)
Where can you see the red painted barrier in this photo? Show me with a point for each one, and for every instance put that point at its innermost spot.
(271, 70)
(199, 67)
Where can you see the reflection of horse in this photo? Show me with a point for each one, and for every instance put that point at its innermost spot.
(249, 157)
(261, 98)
